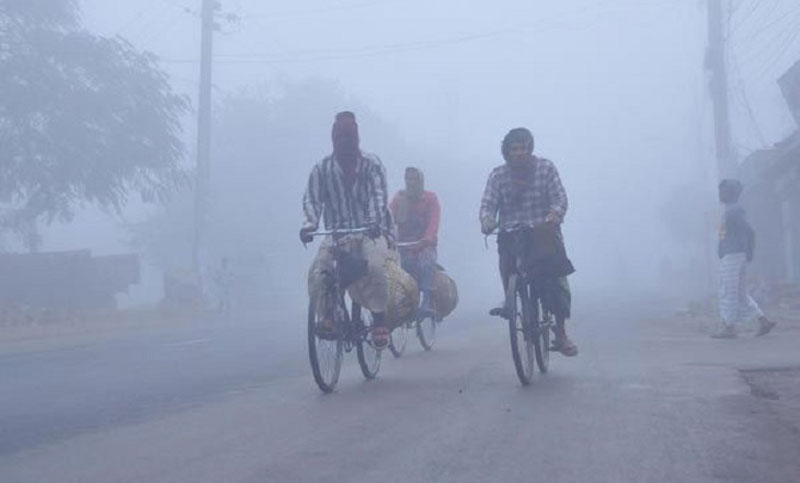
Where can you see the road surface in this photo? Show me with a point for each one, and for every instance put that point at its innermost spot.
(649, 399)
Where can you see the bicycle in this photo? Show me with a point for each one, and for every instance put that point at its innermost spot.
(423, 324)
(530, 323)
(354, 326)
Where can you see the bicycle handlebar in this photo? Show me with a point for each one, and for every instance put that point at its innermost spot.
(512, 229)
(409, 244)
(343, 231)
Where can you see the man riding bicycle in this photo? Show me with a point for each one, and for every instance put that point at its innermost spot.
(348, 189)
(527, 191)
(416, 214)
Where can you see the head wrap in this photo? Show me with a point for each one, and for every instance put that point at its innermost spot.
(730, 190)
(416, 172)
(517, 135)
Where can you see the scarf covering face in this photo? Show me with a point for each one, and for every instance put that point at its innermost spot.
(517, 135)
(406, 196)
(524, 174)
(344, 135)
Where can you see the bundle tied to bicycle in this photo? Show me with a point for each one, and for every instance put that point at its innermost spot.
(404, 293)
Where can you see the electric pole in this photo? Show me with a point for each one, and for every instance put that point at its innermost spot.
(727, 165)
(202, 180)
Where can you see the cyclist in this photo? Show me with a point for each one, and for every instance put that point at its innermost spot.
(416, 214)
(348, 189)
(527, 191)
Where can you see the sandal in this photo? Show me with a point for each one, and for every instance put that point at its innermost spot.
(727, 331)
(765, 325)
(565, 347)
(380, 337)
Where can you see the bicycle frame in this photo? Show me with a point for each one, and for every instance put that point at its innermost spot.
(523, 278)
(521, 267)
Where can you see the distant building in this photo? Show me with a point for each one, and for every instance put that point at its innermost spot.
(772, 195)
(65, 280)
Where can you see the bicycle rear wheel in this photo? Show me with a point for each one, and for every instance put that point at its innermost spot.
(426, 332)
(397, 343)
(542, 344)
(325, 355)
(522, 346)
(369, 357)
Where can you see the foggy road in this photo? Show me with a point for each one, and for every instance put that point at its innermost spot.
(644, 401)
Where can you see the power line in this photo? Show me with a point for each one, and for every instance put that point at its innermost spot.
(318, 11)
(786, 19)
(363, 52)
(166, 24)
(754, 8)
(135, 19)
(780, 45)
(304, 56)
(145, 27)
(745, 101)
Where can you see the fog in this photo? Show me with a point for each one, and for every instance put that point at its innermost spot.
(155, 323)
(614, 92)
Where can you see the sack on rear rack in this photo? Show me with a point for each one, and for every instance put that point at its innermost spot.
(445, 294)
(403, 295)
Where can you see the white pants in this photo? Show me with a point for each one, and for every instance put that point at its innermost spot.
(735, 304)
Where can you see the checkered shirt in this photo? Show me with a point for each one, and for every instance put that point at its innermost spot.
(512, 199)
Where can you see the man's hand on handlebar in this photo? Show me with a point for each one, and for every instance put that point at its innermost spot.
(488, 226)
(305, 234)
(553, 218)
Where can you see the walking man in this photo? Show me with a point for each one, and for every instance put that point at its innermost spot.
(735, 250)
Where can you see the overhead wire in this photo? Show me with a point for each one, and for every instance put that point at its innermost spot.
(167, 22)
(135, 19)
(316, 55)
(780, 45)
(316, 11)
(741, 100)
(363, 52)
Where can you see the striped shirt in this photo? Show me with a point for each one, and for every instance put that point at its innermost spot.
(523, 197)
(365, 203)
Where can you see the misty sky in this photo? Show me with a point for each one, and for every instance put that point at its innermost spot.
(613, 90)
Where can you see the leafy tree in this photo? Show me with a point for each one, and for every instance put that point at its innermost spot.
(83, 119)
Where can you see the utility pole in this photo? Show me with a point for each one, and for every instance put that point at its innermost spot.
(727, 165)
(202, 180)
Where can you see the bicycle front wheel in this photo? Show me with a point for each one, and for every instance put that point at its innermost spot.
(325, 355)
(522, 346)
(369, 357)
(397, 343)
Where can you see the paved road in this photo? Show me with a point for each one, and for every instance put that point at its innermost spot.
(648, 399)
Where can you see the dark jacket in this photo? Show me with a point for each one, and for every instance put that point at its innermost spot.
(736, 235)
